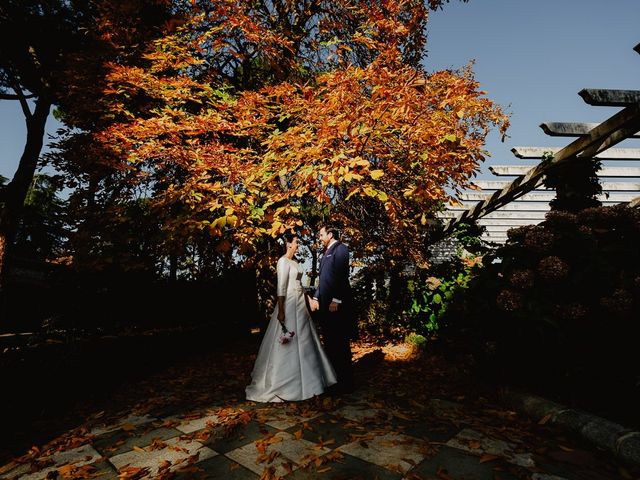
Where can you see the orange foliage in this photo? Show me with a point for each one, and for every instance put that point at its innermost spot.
(242, 118)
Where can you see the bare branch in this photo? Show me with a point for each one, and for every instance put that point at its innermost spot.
(21, 97)
(9, 96)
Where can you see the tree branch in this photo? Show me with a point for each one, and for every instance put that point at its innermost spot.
(20, 96)
(8, 96)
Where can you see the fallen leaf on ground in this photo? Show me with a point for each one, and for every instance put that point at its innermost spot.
(132, 473)
(544, 419)
(487, 457)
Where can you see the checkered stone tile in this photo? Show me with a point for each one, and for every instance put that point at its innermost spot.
(431, 430)
(286, 449)
(175, 450)
(99, 469)
(325, 429)
(454, 463)
(218, 467)
(282, 419)
(78, 457)
(476, 443)
(127, 422)
(191, 425)
(15, 471)
(441, 407)
(121, 441)
(223, 441)
(358, 413)
(344, 468)
(396, 452)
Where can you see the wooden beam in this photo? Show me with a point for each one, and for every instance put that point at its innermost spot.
(571, 129)
(495, 234)
(536, 196)
(514, 170)
(635, 202)
(536, 153)
(532, 215)
(548, 195)
(607, 134)
(510, 207)
(600, 97)
(617, 135)
(514, 222)
(495, 237)
(619, 172)
(499, 228)
(610, 154)
(492, 184)
(613, 198)
(620, 186)
(606, 186)
(509, 170)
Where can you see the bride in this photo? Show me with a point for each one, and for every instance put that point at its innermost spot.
(291, 363)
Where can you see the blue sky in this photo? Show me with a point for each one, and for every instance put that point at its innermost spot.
(531, 57)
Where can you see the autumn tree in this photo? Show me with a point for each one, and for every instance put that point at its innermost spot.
(251, 115)
(50, 52)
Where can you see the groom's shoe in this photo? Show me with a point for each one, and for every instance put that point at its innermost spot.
(332, 390)
(346, 388)
(339, 389)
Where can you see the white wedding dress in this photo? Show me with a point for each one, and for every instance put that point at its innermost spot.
(296, 370)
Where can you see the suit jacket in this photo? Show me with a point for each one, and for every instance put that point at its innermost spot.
(333, 273)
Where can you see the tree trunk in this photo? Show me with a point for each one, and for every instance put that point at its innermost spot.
(314, 267)
(394, 299)
(13, 195)
(173, 268)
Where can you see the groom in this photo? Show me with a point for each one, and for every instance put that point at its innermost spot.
(333, 301)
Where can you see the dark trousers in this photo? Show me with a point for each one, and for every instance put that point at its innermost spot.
(338, 347)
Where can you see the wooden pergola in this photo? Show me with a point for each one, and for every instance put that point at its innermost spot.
(503, 204)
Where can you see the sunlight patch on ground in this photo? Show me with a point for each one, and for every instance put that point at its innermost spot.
(393, 352)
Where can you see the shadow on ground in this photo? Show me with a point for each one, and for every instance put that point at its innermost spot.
(413, 416)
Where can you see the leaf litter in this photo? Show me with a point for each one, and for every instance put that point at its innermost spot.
(406, 386)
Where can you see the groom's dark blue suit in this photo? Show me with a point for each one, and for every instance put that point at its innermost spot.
(338, 327)
(333, 279)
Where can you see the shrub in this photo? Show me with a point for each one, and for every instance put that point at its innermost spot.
(415, 339)
(561, 307)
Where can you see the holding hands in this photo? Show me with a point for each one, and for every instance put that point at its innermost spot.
(314, 304)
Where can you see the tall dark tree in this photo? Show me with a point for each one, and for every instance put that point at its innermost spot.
(51, 53)
(41, 231)
(36, 37)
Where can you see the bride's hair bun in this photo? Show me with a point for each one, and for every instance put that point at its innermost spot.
(286, 237)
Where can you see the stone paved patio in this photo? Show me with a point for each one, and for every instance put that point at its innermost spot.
(354, 437)
(385, 430)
